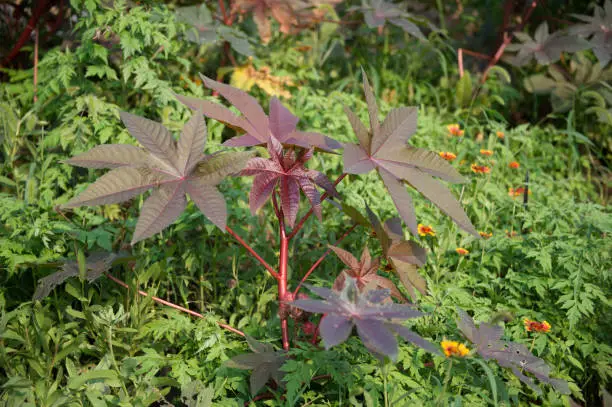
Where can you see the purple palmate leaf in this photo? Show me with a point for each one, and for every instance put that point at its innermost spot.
(377, 12)
(374, 315)
(385, 149)
(544, 47)
(516, 356)
(287, 171)
(598, 30)
(280, 123)
(171, 169)
(264, 362)
(335, 329)
(95, 265)
(364, 272)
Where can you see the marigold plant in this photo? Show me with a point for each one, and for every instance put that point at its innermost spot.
(452, 348)
(454, 130)
(447, 155)
(535, 326)
(426, 230)
(480, 169)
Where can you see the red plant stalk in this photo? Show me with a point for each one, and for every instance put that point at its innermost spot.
(170, 304)
(460, 61)
(253, 252)
(41, 7)
(283, 309)
(223, 12)
(507, 40)
(282, 285)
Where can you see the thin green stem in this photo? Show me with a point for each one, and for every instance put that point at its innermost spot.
(440, 6)
(112, 356)
(385, 384)
(447, 380)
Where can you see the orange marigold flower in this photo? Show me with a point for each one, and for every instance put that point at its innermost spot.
(517, 192)
(425, 230)
(461, 251)
(511, 234)
(487, 153)
(447, 155)
(485, 234)
(452, 348)
(514, 165)
(454, 130)
(500, 135)
(480, 169)
(535, 326)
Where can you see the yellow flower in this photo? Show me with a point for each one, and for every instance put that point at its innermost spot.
(454, 130)
(500, 135)
(452, 348)
(245, 76)
(485, 234)
(425, 230)
(447, 155)
(535, 326)
(461, 251)
(487, 153)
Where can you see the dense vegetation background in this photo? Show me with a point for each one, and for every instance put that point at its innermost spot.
(545, 254)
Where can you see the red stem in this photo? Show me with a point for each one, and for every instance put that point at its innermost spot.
(282, 278)
(507, 40)
(299, 225)
(316, 264)
(460, 53)
(42, 6)
(475, 54)
(253, 252)
(223, 11)
(170, 304)
(57, 23)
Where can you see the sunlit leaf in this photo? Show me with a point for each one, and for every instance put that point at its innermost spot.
(397, 162)
(170, 169)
